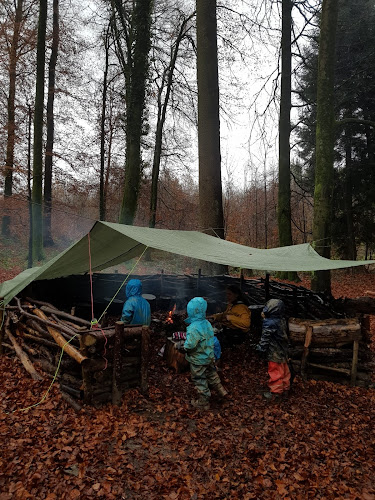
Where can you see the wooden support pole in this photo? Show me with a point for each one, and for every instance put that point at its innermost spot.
(330, 368)
(353, 371)
(73, 403)
(305, 354)
(25, 360)
(117, 364)
(199, 277)
(2, 312)
(267, 287)
(76, 393)
(87, 384)
(145, 359)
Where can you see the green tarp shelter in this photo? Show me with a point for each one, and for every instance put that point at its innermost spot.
(112, 244)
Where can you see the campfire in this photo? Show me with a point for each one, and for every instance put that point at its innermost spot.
(169, 320)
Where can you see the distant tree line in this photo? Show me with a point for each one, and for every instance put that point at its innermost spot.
(154, 77)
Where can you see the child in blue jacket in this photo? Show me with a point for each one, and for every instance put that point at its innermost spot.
(199, 347)
(136, 310)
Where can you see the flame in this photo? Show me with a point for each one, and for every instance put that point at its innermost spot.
(169, 319)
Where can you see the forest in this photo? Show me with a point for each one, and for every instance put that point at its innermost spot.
(74, 145)
(250, 120)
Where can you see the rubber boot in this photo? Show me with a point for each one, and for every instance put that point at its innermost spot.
(285, 395)
(202, 403)
(221, 392)
(271, 397)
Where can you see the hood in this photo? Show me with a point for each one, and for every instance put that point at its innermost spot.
(196, 309)
(274, 308)
(134, 287)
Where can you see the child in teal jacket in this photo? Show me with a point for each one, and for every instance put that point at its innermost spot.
(136, 310)
(199, 347)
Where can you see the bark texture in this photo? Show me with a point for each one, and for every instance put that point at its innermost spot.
(11, 135)
(324, 142)
(47, 231)
(135, 66)
(210, 186)
(284, 214)
(37, 199)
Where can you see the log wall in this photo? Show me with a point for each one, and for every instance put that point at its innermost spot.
(331, 349)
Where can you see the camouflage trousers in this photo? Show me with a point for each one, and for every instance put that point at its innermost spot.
(204, 377)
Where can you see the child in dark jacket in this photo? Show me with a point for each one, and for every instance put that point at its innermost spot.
(273, 346)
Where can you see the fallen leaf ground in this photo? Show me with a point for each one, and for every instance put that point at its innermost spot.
(319, 444)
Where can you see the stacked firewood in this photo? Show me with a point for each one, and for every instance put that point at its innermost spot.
(332, 349)
(92, 364)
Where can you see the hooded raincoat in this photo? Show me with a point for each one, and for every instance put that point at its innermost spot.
(199, 342)
(274, 342)
(136, 310)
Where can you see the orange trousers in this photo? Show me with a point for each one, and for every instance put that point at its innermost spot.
(279, 374)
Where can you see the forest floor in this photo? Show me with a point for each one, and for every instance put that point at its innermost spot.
(319, 444)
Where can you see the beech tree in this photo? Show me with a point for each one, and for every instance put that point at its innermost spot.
(210, 186)
(284, 196)
(132, 35)
(11, 120)
(164, 85)
(47, 233)
(325, 126)
(37, 221)
(102, 186)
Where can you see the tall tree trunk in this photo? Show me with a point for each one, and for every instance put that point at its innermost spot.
(109, 159)
(102, 197)
(47, 232)
(370, 143)
(135, 101)
(256, 215)
(30, 205)
(9, 162)
(37, 226)
(325, 126)
(210, 186)
(348, 203)
(284, 213)
(167, 80)
(265, 210)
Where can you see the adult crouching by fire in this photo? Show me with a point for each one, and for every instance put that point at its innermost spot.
(199, 347)
(235, 321)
